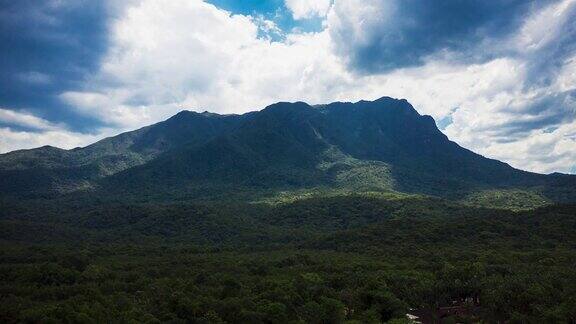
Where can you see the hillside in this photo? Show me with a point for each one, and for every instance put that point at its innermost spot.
(49, 170)
(383, 145)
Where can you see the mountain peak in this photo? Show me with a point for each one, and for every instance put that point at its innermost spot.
(285, 145)
(288, 106)
(186, 114)
(393, 103)
(206, 113)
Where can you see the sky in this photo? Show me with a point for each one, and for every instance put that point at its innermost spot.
(498, 76)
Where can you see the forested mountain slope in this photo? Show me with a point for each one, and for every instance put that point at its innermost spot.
(381, 145)
(50, 170)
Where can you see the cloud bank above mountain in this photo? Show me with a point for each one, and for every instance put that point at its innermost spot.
(500, 75)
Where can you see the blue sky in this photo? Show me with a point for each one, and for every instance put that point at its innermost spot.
(274, 10)
(498, 76)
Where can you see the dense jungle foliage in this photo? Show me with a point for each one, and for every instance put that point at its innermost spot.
(361, 258)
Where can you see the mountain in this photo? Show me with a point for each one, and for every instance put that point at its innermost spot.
(48, 169)
(381, 145)
(341, 213)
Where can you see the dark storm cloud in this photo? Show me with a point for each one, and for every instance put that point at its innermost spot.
(545, 62)
(415, 29)
(397, 34)
(547, 112)
(48, 47)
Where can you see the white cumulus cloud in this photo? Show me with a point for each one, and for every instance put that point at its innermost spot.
(11, 140)
(24, 120)
(303, 9)
(23, 130)
(167, 56)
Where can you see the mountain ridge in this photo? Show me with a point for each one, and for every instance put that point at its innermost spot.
(383, 145)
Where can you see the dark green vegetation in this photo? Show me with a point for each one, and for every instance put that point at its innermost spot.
(355, 258)
(357, 213)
